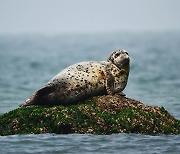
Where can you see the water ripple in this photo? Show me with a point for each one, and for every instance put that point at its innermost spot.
(76, 143)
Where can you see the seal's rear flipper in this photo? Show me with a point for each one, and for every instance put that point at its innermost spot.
(29, 101)
(39, 96)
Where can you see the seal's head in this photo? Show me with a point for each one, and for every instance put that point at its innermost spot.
(119, 58)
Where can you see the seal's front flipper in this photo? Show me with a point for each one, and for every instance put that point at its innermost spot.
(110, 85)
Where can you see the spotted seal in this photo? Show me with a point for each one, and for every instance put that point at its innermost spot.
(82, 80)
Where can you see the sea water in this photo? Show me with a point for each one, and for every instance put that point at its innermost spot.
(27, 62)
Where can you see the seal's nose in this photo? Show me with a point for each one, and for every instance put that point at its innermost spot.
(126, 53)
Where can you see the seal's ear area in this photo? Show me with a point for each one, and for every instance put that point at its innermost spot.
(112, 56)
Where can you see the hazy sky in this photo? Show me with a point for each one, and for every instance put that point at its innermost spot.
(62, 16)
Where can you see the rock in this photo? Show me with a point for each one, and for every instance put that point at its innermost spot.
(99, 115)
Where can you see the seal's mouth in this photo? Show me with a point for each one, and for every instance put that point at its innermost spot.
(125, 61)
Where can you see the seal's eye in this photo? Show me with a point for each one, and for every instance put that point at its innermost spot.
(117, 54)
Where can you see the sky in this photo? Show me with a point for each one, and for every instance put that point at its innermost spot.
(87, 16)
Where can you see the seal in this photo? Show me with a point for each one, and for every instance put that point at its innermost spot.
(85, 79)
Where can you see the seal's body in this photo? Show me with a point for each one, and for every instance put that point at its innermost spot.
(82, 80)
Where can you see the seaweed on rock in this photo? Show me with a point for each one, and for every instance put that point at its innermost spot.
(99, 115)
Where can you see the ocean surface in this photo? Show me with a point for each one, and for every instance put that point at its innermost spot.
(27, 62)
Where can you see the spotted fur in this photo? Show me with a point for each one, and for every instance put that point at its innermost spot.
(82, 80)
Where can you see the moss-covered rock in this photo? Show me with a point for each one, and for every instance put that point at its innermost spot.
(99, 115)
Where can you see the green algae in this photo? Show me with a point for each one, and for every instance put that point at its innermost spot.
(100, 115)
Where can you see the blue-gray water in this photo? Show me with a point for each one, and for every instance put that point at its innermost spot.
(27, 62)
